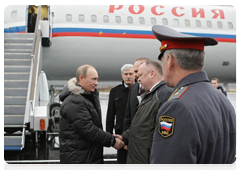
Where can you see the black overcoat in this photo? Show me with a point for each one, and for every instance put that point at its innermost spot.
(116, 108)
(81, 135)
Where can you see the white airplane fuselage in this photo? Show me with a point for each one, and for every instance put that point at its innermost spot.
(108, 37)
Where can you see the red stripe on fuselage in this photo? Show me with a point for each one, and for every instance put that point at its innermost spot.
(112, 35)
(226, 40)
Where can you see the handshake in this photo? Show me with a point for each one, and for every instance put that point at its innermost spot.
(119, 142)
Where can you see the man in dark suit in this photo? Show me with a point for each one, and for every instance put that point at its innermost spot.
(197, 125)
(32, 17)
(135, 91)
(117, 105)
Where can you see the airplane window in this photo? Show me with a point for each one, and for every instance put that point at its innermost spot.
(106, 18)
(176, 22)
(81, 18)
(141, 20)
(14, 14)
(165, 21)
(225, 63)
(153, 21)
(209, 24)
(130, 20)
(118, 19)
(198, 23)
(219, 23)
(69, 17)
(230, 25)
(93, 18)
(187, 23)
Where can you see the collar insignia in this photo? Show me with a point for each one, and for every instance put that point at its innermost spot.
(177, 94)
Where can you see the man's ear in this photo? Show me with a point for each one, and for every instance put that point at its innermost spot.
(153, 73)
(170, 62)
(81, 77)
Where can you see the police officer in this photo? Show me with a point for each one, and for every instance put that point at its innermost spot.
(197, 124)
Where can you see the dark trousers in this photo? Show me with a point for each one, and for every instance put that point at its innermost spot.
(122, 156)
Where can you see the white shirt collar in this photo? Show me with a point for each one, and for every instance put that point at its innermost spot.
(125, 85)
(154, 86)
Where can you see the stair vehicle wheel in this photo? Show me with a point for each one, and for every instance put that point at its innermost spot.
(55, 110)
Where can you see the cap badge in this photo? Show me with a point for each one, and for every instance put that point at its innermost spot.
(163, 47)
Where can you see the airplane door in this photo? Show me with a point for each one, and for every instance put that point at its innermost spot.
(46, 25)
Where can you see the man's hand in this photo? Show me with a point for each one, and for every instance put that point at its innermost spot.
(118, 144)
(118, 136)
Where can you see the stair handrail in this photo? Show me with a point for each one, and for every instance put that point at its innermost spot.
(36, 28)
(35, 52)
(36, 59)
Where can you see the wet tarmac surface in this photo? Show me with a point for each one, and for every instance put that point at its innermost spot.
(46, 151)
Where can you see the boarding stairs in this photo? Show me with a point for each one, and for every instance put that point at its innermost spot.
(17, 68)
(26, 94)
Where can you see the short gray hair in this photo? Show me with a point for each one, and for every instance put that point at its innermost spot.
(156, 65)
(187, 59)
(126, 67)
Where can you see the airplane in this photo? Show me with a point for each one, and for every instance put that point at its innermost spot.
(108, 36)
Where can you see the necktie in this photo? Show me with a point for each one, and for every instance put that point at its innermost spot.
(141, 92)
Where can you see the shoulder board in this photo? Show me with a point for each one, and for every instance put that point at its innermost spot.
(177, 94)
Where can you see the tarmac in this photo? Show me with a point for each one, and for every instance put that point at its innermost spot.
(47, 150)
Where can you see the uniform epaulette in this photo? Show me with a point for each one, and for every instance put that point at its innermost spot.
(177, 94)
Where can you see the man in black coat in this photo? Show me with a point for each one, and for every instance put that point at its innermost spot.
(32, 17)
(81, 135)
(117, 105)
(135, 91)
(197, 125)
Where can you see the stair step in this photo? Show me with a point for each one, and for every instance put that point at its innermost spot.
(17, 50)
(17, 56)
(18, 40)
(15, 100)
(16, 68)
(17, 46)
(15, 91)
(12, 140)
(14, 109)
(13, 120)
(16, 75)
(18, 35)
(22, 62)
(16, 83)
